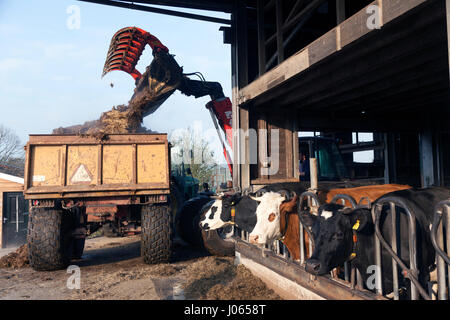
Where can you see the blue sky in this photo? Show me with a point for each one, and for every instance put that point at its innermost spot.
(50, 75)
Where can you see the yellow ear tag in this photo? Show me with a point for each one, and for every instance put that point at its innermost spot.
(356, 226)
(353, 256)
(233, 212)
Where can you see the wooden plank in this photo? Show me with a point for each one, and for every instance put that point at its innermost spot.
(289, 68)
(355, 27)
(392, 9)
(323, 47)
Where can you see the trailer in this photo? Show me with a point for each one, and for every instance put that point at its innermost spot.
(75, 184)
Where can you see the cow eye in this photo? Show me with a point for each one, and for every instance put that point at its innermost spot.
(271, 217)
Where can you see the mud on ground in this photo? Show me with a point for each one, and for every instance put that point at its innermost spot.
(112, 268)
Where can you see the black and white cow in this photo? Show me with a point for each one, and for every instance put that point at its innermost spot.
(219, 214)
(341, 234)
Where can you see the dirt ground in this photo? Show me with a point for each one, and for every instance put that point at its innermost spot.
(111, 268)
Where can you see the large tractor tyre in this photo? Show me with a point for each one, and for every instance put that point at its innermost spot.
(156, 234)
(189, 218)
(49, 239)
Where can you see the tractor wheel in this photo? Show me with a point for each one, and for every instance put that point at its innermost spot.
(156, 234)
(49, 239)
(176, 201)
(78, 248)
(218, 242)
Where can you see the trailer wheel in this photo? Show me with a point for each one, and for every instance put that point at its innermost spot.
(49, 239)
(157, 233)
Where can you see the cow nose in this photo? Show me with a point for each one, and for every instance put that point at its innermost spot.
(253, 239)
(312, 266)
(204, 226)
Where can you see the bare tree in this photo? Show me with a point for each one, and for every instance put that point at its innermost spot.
(11, 148)
(195, 153)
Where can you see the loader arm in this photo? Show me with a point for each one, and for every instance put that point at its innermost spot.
(126, 48)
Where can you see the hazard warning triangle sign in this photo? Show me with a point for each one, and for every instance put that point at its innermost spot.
(82, 174)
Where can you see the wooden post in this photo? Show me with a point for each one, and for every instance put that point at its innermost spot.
(279, 24)
(261, 38)
(447, 9)
(340, 11)
(313, 174)
(242, 80)
(235, 103)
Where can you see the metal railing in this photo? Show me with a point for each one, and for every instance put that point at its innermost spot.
(440, 238)
(440, 235)
(410, 272)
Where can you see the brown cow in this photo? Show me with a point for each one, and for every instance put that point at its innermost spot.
(290, 234)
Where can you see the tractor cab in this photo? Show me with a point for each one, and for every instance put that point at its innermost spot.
(330, 163)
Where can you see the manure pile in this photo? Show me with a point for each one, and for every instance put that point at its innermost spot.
(16, 259)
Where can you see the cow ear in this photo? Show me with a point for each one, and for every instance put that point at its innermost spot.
(359, 219)
(307, 218)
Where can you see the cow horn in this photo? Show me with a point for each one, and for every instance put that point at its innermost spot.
(258, 199)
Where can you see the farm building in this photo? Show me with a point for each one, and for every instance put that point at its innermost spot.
(341, 68)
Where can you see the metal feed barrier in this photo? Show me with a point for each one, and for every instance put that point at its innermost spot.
(440, 238)
(351, 277)
(410, 272)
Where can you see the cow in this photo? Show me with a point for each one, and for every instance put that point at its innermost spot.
(343, 234)
(268, 226)
(219, 213)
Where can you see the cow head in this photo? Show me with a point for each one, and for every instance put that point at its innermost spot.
(268, 217)
(219, 214)
(332, 231)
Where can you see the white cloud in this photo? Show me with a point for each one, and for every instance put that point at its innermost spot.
(11, 64)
